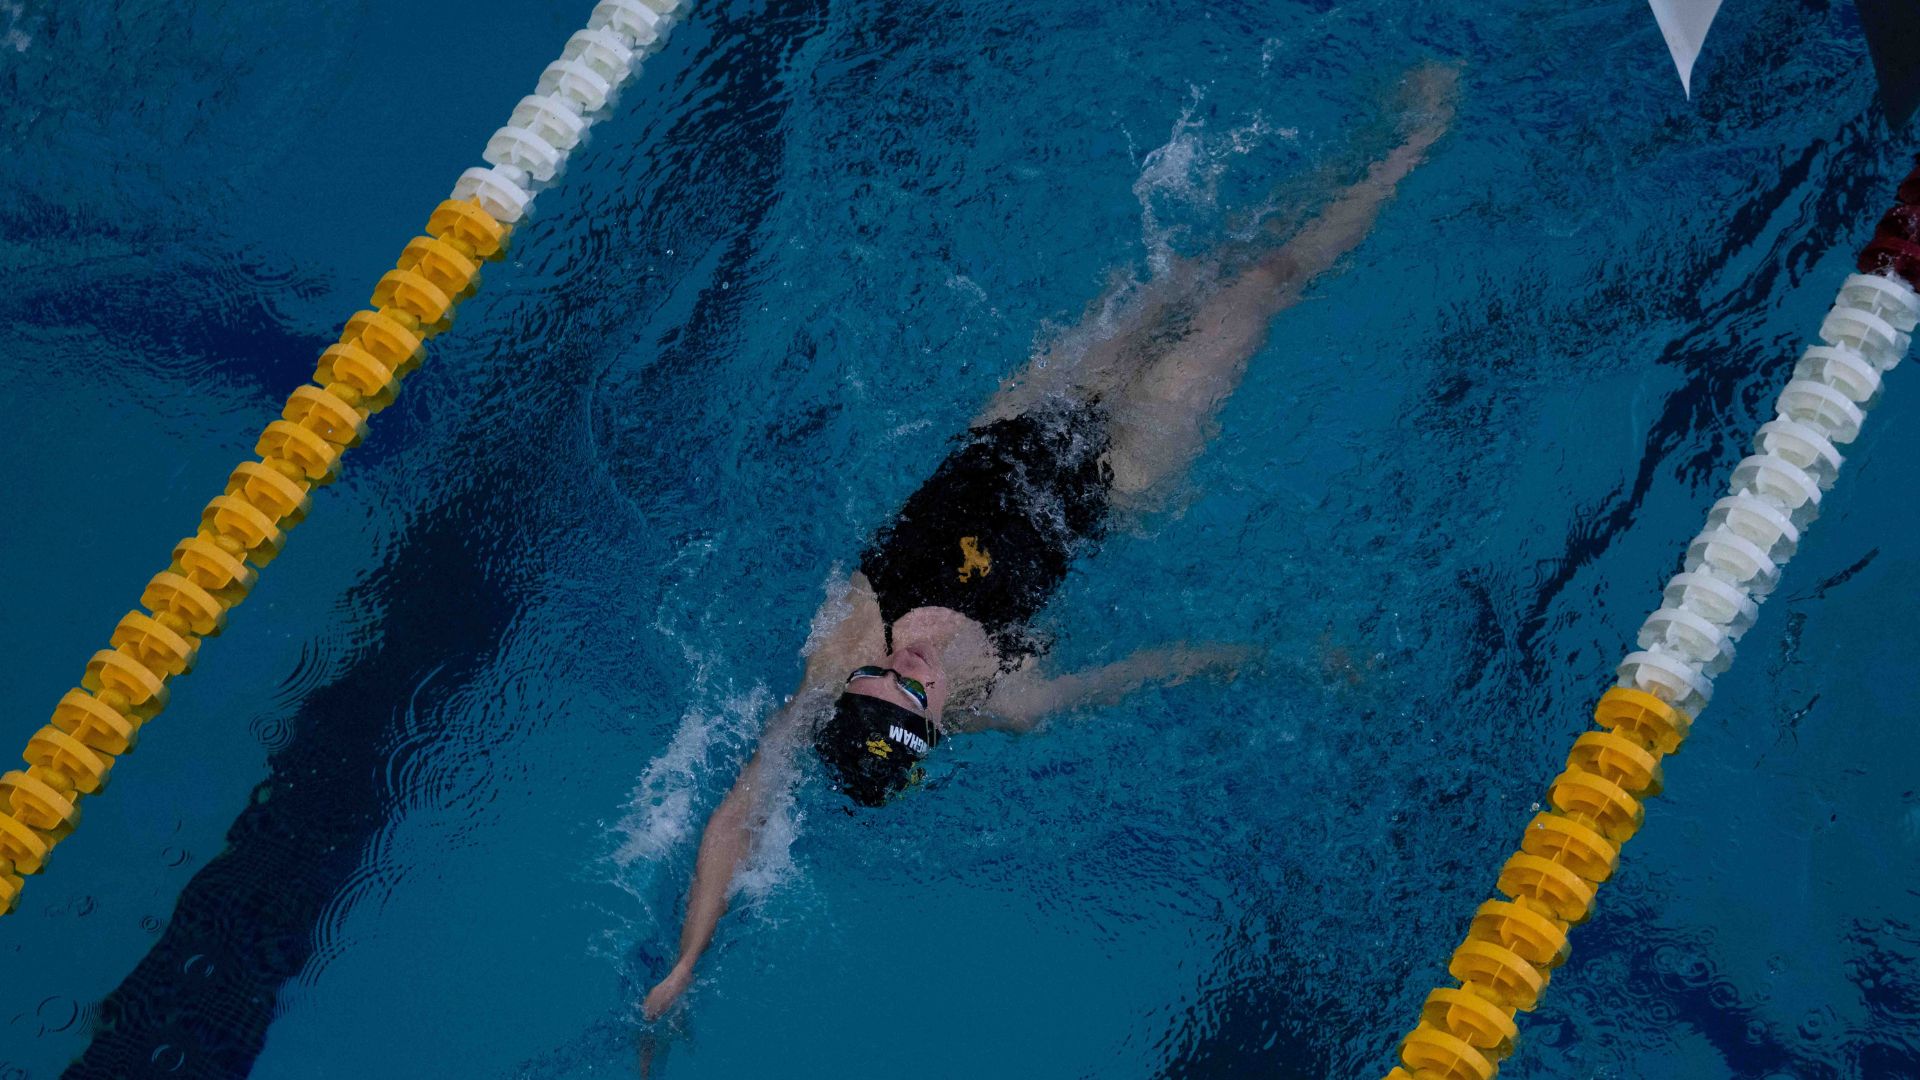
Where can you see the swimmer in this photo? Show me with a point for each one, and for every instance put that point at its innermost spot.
(931, 638)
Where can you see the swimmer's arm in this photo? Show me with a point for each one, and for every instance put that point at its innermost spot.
(847, 631)
(731, 831)
(1021, 700)
(723, 846)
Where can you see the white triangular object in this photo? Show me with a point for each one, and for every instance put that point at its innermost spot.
(1684, 24)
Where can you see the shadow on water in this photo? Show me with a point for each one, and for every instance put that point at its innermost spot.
(251, 913)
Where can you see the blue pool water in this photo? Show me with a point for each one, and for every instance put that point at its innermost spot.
(429, 807)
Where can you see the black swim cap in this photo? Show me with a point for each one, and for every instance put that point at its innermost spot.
(871, 747)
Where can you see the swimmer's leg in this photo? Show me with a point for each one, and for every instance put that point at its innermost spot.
(1132, 324)
(1121, 333)
(1163, 417)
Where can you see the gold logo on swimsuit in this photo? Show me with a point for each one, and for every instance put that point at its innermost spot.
(972, 558)
(879, 748)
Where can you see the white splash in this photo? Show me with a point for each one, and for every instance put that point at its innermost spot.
(770, 863)
(1269, 51)
(714, 740)
(967, 287)
(17, 38)
(661, 816)
(839, 604)
(1182, 175)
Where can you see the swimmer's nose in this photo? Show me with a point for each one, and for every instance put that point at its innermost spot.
(912, 663)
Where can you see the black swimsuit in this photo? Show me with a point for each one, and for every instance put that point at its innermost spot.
(991, 533)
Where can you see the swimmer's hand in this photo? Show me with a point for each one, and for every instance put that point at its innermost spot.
(662, 997)
(1428, 94)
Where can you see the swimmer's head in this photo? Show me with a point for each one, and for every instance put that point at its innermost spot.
(884, 722)
(872, 747)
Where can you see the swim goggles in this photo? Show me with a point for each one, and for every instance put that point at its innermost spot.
(913, 688)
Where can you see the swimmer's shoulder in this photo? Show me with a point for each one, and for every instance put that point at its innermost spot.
(997, 704)
(847, 632)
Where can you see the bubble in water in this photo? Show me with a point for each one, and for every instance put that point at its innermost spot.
(79, 907)
(1814, 1026)
(57, 1014)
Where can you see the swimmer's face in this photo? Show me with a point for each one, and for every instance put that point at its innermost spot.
(923, 666)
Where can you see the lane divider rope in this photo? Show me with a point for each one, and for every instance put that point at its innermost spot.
(242, 529)
(1593, 807)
